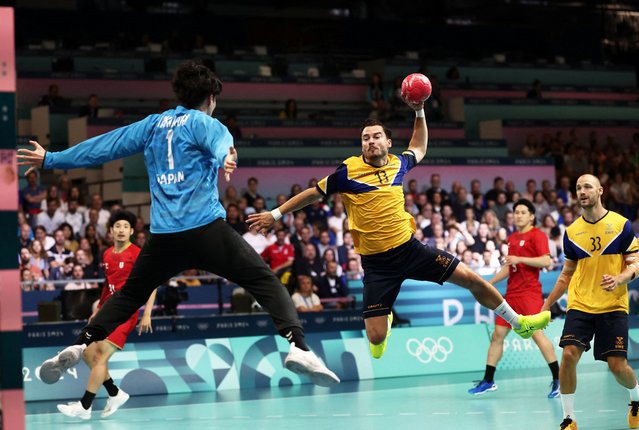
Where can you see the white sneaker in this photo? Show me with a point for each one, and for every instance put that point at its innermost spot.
(307, 363)
(52, 369)
(75, 410)
(114, 403)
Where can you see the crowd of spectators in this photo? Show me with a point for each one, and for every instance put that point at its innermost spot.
(61, 238)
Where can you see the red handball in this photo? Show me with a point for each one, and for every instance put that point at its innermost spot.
(416, 88)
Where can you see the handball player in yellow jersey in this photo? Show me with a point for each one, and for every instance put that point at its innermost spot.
(371, 185)
(601, 258)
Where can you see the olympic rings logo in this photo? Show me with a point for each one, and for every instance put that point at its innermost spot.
(429, 349)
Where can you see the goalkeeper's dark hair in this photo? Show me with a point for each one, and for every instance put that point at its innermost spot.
(193, 82)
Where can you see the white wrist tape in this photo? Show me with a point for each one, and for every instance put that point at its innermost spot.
(276, 214)
(420, 113)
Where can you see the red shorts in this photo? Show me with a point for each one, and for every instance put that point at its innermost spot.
(118, 337)
(523, 305)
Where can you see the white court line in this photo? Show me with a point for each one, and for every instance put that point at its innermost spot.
(407, 413)
(308, 415)
(173, 419)
(607, 410)
(540, 412)
(475, 413)
(206, 418)
(441, 413)
(341, 415)
(275, 416)
(375, 415)
(508, 412)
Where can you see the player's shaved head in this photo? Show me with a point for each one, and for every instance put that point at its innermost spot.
(590, 178)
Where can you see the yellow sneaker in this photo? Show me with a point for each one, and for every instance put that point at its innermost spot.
(633, 415)
(568, 424)
(378, 350)
(531, 323)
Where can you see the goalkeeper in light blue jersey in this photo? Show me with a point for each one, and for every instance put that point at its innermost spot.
(183, 150)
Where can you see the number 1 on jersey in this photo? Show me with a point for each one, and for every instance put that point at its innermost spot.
(169, 137)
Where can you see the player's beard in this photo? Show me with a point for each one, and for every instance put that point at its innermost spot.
(378, 155)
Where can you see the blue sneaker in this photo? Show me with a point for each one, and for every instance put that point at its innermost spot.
(554, 389)
(482, 387)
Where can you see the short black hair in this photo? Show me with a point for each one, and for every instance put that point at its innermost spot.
(525, 202)
(370, 122)
(193, 82)
(123, 216)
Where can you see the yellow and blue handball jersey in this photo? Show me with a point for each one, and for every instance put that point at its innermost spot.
(599, 249)
(374, 201)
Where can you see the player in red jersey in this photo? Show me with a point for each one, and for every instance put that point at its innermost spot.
(527, 253)
(118, 261)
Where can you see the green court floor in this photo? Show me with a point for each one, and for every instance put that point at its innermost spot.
(434, 402)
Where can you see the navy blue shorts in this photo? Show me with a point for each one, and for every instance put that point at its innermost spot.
(610, 331)
(385, 272)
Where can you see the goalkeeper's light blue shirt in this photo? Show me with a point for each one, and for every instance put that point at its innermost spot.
(183, 151)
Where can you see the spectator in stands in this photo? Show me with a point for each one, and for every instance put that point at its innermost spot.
(377, 96)
(94, 240)
(91, 109)
(64, 188)
(73, 217)
(230, 196)
(58, 252)
(46, 240)
(324, 242)
(535, 90)
(335, 221)
(309, 263)
(436, 187)
(89, 264)
(140, 238)
(53, 193)
(74, 193)
(295, 190)
(32, 196)
(469, 222)
(541, 205)
(410, 206)
(258, 241)
(290, 110)
(433, 105)
(460, 203)
(621, 196)
(93, 221)
(531, 148)
(52, 98)
(564, 191)
(63, 272)
(490, 219)
(354, 270)
(259, 206)
(344, 249)
(279, 255)
(305, 300)
(234, 128)
(52, 217)
(436, 219)
(77, 281)
(251, 192)
(332, 285)
(482, 237)
(37, 266)
(500, 207)
(70, 241)
(235, 218)
(531, 189)
(498, 185)
(25, 236)
(509, 222)
(103, 214)
(487, 266)
(398, 109)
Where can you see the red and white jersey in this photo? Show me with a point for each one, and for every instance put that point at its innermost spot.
(117, 267)
(522, 278)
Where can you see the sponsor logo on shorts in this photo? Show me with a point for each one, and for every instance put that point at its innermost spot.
(443, 260)
(619, 344)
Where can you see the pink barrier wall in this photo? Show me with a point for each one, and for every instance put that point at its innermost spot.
(571, 95)
(516, 136)
(342, 132)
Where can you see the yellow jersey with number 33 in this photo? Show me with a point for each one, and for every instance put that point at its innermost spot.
(599, 249)
(374, 201)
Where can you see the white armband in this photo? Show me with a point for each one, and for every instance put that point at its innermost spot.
(420, 114)
(276, 214)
